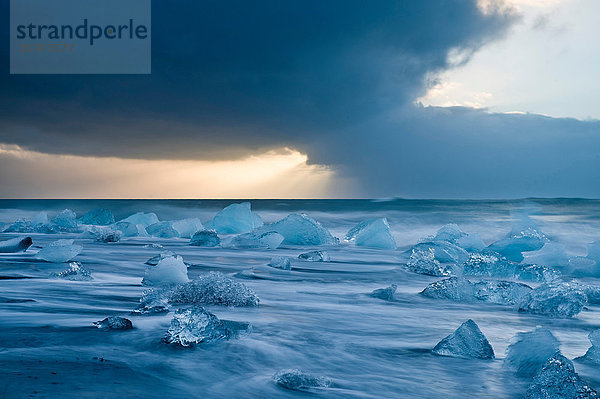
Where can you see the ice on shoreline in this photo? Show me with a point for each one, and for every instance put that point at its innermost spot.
(462, 290)
(59, 251)
(557, 379)
(530, 350)
(467, 341)
(235, 219)
(373, 233)
(298, 380)
(168, 270)
(19, 244)
(300, 229)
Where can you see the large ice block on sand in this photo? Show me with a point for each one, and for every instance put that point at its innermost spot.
(301, 229)
(422, 261)
(554, 300)
(491, 264)
(315, 256)
(467, 341)
(13, 245)
(530, 350)
(551, 254)
(75, 272)
(141, 218)
(298, 380)
(235, 219)
(98, 217)
(162, 230)
(558, 380)
(593, 353)
(462, 290)
(373, 233)
(170, 270)
(205, 238)
(59, 251)
(195, 326)
(268, 240)
(186, 228)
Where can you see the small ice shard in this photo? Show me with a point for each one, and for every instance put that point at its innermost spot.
(235, 219)
(212, 288)
(162, 230)
(555, 300)
(170, 270)
(205, 238)
(155, 259)
(467, 341)
(154, 246)
(75, 272)
(422, 261)
(114, 323)
(65, 220)
(551, 254)
(387, 294)
(298, 380)
(373, 233)
(530, 350)
(98, 217)
(268, 240)
(194, 326)
(141, 218)
(593, 353)
(59, 251)
(524, 237)
(301, 229)
(15, 245)
(102, 234)
(557, 379)
(462, 290)
(131, 230)
(281, 262)
(186, 228)
(315, 256)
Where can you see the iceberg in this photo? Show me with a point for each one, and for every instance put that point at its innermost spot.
(98, 217)
(170, 270)
(373, 233)
(315, 256)
(75, 272)
(530, 350)
(131, 230)
(552, 254)
(186, 228)
(15, 245)
(59, 251)
(298, 380)
(387, 294)
(462, 290)
(593, 353)
(114, 323)
(422, 261)
(205, 238)
(301, 229)
(467, 341)
(194, 326)
(141, 218)
(558, 380)
(235, 219)
(268, 240)
(280, 262)
(103, 234)
(554, 300)
(66, 221)
(212, 288)
(162, 230)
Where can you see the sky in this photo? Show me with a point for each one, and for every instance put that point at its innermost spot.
(340, 99)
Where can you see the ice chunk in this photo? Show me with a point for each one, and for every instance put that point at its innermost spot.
(593, 353)
(558, 380)
(75, 272)
(235, 219)
(463, 290)
(471, 243)
(114, 323)
(315, 256)
(268, 240)
(444, 252)
(103, 234)
(450, 232)
(211, 289)
(131, 230)
(300, 229)
(374, 233)
(141, 218)
(59, 251)
(387, 294)
(15, 245)
(166, 254)
(552, 254)
(162, 230)
(530, 350)
(194, 326)
(492, 264)
(98, 217)
(40, 219)
(205, 238)
(154, 246)
(186, 228)
(170, 270)
(65, 220)
(555, 300)
(467, 341)
(584, 266)
(525, 236)
(298, 380)
(280, 262)
(423, 261)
